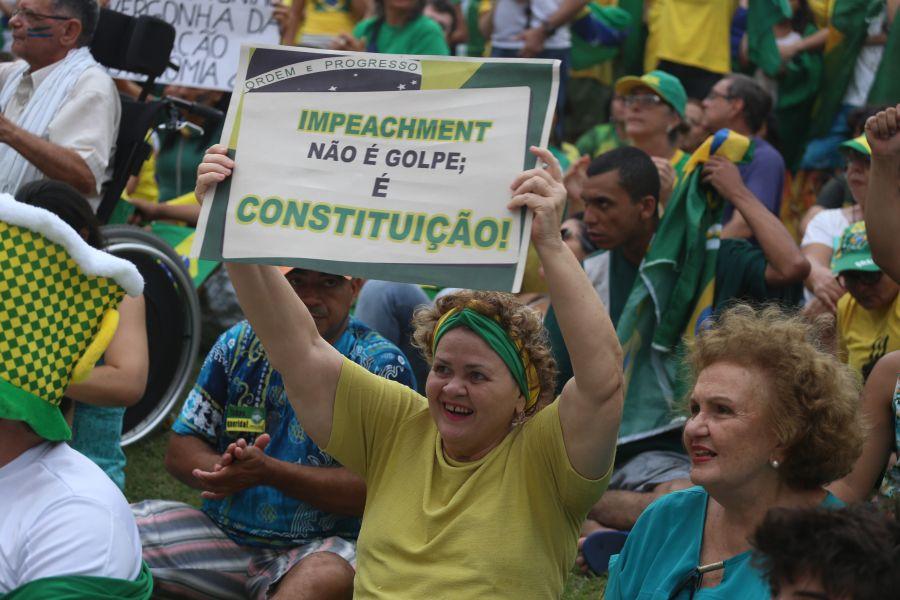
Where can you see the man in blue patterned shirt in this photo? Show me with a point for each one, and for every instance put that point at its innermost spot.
(280, 517)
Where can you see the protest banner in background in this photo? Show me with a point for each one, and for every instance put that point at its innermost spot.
(208, 36)
(380, 166)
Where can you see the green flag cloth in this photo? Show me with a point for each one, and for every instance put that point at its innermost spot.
(850, 19)
(673, 293)
(886, 88)
(598, 34)
(85, 588)
(798, 87)
(762, 15)
(476, 43)
(631, 59)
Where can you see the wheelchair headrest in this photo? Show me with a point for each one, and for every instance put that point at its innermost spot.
(135, 44)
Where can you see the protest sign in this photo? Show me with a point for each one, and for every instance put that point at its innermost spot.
(208, 36)
(380, 166)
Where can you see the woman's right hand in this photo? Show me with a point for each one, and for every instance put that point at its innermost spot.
(215, 168)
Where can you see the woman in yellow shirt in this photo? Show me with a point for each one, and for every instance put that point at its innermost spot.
(478, 489)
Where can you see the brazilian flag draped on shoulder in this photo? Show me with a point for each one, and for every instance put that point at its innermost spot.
(598, 33)
(762, 15)
(80, 587)
(849, 23)
(673, 294)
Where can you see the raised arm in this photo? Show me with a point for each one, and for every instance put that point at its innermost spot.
(883, 196)
(857, 485)
(786, 264)
(309, 365)
(591, 402)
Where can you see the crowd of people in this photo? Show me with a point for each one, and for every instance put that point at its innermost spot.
(696, 392)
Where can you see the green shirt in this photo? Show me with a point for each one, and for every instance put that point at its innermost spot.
(419, 36)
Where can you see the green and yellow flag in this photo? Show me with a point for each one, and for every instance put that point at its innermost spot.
(673, 294)
(762, 15)
(886, 88)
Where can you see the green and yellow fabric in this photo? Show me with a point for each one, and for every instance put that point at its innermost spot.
(674, 292)
(58, 299)
(798, 87)
(762, 15)
(886, 87)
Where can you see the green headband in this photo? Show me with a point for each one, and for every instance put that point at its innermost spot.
(495, 336)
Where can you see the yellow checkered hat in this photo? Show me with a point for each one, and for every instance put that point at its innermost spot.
(58, 299)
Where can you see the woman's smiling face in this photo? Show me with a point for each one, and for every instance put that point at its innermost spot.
(472, 396)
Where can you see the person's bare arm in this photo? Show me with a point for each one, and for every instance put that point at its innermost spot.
(122, 378)
(283, 324)
(879, 416)
(360, 9)
(786, 264)
(883, 196)
(736, 227)
(292, 20)
(590, 406)
(460, 34)
(821, 281)
(811, 212)
(332, 489)
(53, 160)
(536, 36)
(155, 211)
(187, 453)
(486, 21)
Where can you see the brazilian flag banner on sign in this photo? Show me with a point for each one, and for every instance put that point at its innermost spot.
(673, 294)
(380, 166)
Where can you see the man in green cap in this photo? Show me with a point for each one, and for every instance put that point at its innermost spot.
(740, 104)
(654, 118)
(66, 531)
(868, 317)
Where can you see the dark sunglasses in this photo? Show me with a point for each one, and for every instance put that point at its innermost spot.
(859, 277)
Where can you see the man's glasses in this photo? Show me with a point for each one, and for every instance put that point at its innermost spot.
(34, 17)
(851, 278)
(643, 100)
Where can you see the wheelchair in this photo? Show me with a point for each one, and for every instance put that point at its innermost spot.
(142, 45)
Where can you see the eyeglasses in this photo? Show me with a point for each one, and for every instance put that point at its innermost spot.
(34, 17)
(849, 278)
(643, 100)
(713, 94)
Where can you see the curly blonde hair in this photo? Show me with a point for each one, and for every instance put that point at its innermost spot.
(814, 411)
(519, 321)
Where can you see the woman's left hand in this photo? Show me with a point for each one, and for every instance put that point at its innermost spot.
(541, 190)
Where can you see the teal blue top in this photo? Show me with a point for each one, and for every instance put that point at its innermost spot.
(664, 548)
(97, 433)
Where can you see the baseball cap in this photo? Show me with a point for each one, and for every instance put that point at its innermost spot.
(852, 251)
(667, 86)
(860, 144)
(286, 270)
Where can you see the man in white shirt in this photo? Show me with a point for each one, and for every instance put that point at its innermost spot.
(64, 525)
(59, 110)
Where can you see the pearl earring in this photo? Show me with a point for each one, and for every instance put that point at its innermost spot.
(775, 464)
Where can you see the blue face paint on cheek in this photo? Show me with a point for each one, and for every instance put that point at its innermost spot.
(38, 32)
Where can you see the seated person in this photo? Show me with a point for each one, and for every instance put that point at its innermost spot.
(828, 225)
(60, 110)
(64, 525)
(845, 554)
(881, 411)
(101, 399)
(773, 418)
(620, 195)
(279, 515)
(868, 317)
(740, 104)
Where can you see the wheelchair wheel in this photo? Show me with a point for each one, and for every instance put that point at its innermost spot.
(173, 325)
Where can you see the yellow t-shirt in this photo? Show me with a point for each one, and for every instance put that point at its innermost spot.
(504, 526)
(867, 335)
(325, 20)
(690, 32)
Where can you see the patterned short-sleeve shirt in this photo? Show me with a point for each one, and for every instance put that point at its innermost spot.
(239, 394)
